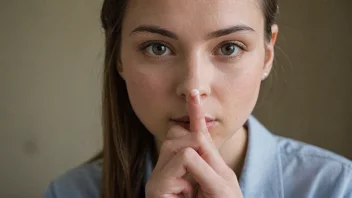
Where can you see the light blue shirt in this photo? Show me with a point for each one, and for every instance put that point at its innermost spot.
(275, 167)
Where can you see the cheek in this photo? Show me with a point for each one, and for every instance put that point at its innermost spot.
(147, 94)
(142, 83)
(245, 90)
(241, 96)
(248, 81)
(240, 90)
(143, 88)
(237, 97)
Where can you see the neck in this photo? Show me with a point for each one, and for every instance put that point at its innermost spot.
(233, 151)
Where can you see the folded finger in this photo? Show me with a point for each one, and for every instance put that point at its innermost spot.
(188, 161)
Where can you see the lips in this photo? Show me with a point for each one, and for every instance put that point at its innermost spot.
(185, 122)
(186, 119)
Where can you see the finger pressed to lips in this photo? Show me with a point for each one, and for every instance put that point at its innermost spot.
(196, 113)
(199, 138)
(191, 152)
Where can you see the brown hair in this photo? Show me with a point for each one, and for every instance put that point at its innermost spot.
(126, 141)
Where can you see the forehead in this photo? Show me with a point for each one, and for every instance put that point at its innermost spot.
(194, 16)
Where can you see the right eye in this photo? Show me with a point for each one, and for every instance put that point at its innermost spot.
(157, 49)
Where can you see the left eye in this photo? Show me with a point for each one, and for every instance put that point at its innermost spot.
(229, 49)
(158, 49)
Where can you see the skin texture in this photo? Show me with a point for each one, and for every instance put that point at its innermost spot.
(160, 84)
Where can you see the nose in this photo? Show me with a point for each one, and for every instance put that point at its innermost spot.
(196, 73)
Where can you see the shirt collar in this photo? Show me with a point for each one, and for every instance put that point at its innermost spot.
(261, 173)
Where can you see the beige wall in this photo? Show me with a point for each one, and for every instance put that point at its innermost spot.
(50, 57)
(50, 67)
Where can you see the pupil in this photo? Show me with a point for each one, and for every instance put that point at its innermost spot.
(159, 49)
(228, 49)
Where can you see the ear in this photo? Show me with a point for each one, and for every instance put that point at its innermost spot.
(120, 70)
(270, 51)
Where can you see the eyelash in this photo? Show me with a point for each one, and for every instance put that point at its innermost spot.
(147, 44)
(240, 45)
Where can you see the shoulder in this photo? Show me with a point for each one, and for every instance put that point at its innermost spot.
(295, 149)
(83, 181)
(315, 171)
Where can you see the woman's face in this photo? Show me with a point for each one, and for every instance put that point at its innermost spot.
(170, 47)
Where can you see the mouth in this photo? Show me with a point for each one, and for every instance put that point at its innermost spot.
(185, 123)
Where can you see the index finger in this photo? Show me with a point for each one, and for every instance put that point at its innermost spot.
(196, 113)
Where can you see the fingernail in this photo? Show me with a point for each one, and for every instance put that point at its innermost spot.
(196, 96)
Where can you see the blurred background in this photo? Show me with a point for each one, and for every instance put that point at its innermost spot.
(51, 54)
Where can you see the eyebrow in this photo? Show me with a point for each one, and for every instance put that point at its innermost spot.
(230, 30)
(212, 35)
(155, 30)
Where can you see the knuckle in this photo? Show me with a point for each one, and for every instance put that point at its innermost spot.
(168, 147)
(199, 137)
(228, 173)
(187, 154)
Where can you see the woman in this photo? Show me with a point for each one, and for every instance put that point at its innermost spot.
(181, 80)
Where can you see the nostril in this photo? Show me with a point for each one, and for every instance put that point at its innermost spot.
(183, 96)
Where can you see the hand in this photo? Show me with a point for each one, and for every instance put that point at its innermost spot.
(191, 153)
